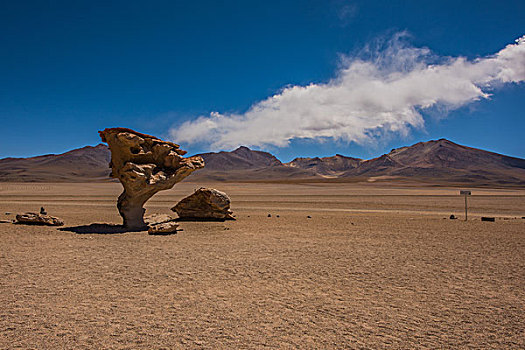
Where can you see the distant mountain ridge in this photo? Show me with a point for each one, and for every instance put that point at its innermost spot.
(438, 161)
(328, 166)
(444, 161)
(83, 164)
(244, 164)
(241, 158)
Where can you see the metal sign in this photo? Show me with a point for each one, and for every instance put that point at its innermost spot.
(465, 193)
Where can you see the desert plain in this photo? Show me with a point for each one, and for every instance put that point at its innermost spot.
(336, 265)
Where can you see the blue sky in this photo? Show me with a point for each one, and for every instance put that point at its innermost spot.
(69, 69)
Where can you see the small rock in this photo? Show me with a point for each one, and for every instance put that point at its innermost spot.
(43, 211)
(308, 217)
(8, 213)
(38, 219)
(453, 217)
(154, 219)
(277, 216)
(164, 228)
(269, 215)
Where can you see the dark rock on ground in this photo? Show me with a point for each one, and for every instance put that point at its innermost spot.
(484, 218)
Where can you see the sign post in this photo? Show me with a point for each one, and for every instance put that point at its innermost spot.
(466, 194)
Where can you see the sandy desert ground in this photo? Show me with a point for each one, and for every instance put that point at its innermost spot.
(375, 267)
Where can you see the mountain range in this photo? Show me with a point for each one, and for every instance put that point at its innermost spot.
(434, 162)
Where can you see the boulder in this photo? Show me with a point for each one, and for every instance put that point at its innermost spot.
(155, 219)
(38, 219)
(144, 165)
(164, 228)
(205, 204)
(161, 224)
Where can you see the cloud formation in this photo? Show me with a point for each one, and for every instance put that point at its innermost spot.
(382, 94)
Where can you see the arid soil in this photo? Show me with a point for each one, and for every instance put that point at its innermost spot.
(375, 267)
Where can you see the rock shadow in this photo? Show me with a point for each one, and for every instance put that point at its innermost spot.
(104, 229)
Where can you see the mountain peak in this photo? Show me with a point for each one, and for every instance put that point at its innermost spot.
(240, 158)
(242, 150)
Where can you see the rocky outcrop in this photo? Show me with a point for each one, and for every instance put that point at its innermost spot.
(205, 204)
(144, 165)
(38, 219)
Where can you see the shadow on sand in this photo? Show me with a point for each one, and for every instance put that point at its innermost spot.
(105, 229)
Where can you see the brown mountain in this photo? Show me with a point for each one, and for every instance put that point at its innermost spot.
(240, 159)
(440, 162)
(328, 166)
(79, 165)
(444, 161)
(247, 165)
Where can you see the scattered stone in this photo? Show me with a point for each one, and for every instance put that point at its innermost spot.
(204, 204)
(161, 224)
(144, 165)
(164, 228)
(38, 219)
(8, 213)
(453, 217)
(269, 215)
(485, 218)
(43, 211)
(277, 216)
(6, 221)
(154, 219)
(308, 217)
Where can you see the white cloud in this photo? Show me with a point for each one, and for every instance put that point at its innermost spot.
(368, 98)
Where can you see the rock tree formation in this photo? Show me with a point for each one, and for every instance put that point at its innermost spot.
(144, 165)
(205, 204)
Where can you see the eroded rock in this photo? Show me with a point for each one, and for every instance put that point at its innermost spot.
(205, 204)
(154, 219)
(38, 219)
(161, 224)
(144, 165)
(164, 228)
